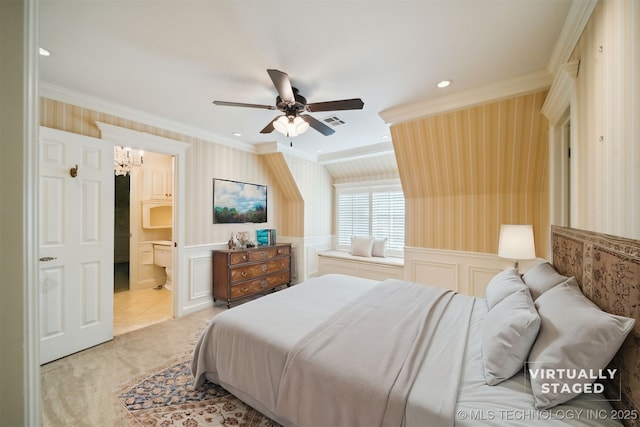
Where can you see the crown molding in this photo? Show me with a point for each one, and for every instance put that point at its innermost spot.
(577, 18)
(62, 94)
(277, 147)
(140, 140)
(520, 85)
(559, 96)
(356, 153)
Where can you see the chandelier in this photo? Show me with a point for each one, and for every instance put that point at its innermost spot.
(125, 159)
(290, 125)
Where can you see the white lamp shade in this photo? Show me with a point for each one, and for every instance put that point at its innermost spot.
(280, 124)
(516, 242)
(300, 125)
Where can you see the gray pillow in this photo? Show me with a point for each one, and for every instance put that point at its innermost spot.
(508, 332)
(575, 335)
(502, 285)
(541, 278)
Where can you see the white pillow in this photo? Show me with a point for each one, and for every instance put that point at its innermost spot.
(361, 246)
(575, 335)
(379, 248)
(508, 332)
(541, 278)
(502, 285)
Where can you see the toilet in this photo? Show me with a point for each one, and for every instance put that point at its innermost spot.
(163, 257)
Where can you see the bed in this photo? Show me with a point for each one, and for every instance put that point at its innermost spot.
(340, 350)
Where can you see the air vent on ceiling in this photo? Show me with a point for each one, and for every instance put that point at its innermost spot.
(334, 121)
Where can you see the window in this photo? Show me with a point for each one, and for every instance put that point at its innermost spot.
(377, 212)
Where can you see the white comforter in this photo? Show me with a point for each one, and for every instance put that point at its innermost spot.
(245, 350)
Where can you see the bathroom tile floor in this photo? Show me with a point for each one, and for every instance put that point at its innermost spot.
(136, 309)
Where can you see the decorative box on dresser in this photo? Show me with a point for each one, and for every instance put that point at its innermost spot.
(239, 273)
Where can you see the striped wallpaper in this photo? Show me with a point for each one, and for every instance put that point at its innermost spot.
(466, 172)
(299, 191)
(370, 168)
(605, 155)
(314, 183)
(290, 201)
(204, 161)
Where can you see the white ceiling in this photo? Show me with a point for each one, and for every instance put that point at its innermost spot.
(170, 59)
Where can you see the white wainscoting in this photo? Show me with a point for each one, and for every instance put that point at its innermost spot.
(196, 288)
(368, 268)
(465, 272)
(306, 254)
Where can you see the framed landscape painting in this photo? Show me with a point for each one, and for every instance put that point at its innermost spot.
(238, 202)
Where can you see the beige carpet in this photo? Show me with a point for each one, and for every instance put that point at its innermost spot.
(82, 389)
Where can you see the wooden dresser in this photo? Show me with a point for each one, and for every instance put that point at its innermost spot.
(239, 273)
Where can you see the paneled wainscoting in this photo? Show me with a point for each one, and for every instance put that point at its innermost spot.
(198, 269)
(464, 272)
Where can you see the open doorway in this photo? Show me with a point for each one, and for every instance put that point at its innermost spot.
(121, 234)
(142, 291)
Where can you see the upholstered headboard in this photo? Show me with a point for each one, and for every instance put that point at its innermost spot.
(607, 268)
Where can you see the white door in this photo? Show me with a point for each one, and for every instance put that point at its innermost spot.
(75, 243)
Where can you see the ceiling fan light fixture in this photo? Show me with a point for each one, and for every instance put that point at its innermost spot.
(290, 126)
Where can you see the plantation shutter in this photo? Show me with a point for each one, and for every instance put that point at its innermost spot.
(387, 213)
(375, 212)
(353, 216)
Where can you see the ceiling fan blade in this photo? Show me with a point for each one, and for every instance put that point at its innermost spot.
(283, 85)
(241, 104)
(344, 104)
(318, 125)
(269, 128)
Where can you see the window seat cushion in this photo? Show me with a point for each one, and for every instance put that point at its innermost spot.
(393, 261)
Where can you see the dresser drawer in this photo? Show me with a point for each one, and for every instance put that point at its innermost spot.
(257, 285)
(238, 257)
(266, 253)
(245, 272)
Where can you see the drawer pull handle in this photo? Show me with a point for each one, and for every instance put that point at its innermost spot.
(279, 251)
(243, 274)
(244, 289)
(244, 257)
(263, 254)
(264, 283)
(263, 268)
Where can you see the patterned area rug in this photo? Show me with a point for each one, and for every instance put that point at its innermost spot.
(168, 398)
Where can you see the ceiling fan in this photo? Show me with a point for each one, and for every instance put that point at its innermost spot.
(294, 121)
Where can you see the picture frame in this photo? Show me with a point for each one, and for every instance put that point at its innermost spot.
(236, 202)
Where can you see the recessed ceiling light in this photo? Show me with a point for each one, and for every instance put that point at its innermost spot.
(44, 52)
(237, 134)
(443, 83)
(385, 136)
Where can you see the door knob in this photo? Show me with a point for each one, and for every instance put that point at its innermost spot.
(48, 258)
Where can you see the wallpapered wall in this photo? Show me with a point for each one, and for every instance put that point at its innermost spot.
(204, 161)
(314, 183)
(606, 155)
(466, 172)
